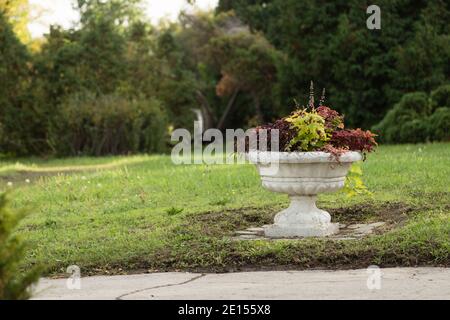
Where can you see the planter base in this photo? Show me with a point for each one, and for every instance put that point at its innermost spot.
(280, 231)
(302, 219)
(302, 175)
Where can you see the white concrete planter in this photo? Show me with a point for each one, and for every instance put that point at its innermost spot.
(302, 175)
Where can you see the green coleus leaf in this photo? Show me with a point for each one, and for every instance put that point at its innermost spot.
(311, 133)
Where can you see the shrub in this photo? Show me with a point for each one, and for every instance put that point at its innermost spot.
(415, 101)
(109, 124)
(14, 283)
(440, 97)
(412, 106)
(413, 131)
(416, 119)
(439, 124)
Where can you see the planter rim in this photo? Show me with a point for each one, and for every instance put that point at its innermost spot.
(301, 157)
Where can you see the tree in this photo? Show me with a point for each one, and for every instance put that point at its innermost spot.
(423, 62)
(247, 63)
(91, 57)
(17, 12)
(118, 12)
(226, 65)
(15, 108)
(365, 71)
(110, 53)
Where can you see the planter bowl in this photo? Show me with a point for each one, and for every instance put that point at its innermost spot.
(302, 175)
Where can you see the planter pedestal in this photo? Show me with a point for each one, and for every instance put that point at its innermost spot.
(302, 176)
(301, 219)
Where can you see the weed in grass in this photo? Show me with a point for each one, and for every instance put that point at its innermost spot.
(220, 202)
(174, 211)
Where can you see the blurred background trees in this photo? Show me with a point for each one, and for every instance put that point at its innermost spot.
(16, 13)
(102, 86)
(15, 69)
(365, 71)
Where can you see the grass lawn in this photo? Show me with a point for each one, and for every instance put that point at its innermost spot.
(124, 214)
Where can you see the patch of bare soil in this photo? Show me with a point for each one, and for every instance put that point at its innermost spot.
(228, 220)
(393, 214)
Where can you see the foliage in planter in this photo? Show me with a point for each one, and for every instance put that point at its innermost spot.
(333, 120)
(317, 129)
(355, 140)
(309, 128)
(14, 282)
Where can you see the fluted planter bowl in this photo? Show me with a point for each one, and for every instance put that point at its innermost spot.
(302, 175)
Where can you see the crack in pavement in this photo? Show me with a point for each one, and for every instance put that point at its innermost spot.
(160, 286)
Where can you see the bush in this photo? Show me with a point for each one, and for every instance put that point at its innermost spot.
(413, 131)
(414, 101)
(439, 124)
(414, 120)
(406, 121)
(109, 124)
(14, 283)
(440, 97)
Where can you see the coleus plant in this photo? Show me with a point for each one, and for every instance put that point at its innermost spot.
(319, 129)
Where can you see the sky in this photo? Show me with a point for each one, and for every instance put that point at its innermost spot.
(61, 12)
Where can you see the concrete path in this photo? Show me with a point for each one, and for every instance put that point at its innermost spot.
(394, 283)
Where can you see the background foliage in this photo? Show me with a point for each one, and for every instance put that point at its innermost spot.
(418, 117)
(239, 66)
(365, 71)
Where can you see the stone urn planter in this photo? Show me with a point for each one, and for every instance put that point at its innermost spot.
(302, 175)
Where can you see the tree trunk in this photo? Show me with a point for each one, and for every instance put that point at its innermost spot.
(207, 114)
(259, 113)
(228, 110)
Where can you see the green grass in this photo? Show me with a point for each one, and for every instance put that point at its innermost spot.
(120, 214)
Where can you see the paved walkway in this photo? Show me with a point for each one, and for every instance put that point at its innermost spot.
(395, 283)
